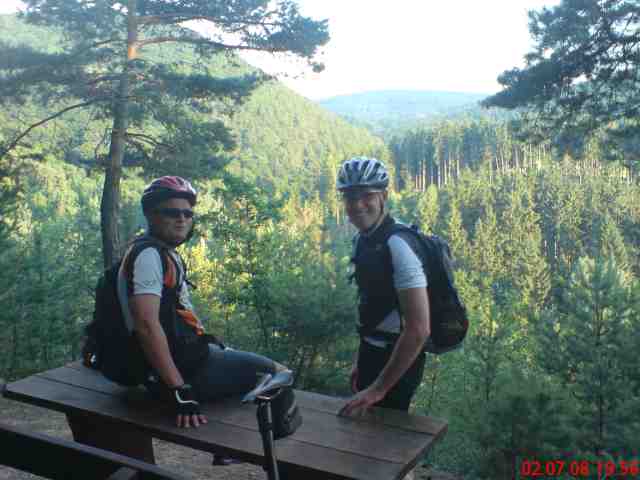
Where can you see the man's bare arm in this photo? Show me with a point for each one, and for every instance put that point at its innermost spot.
(414, 302)
(145, 309)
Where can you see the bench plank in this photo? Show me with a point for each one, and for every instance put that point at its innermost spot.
(57, 458)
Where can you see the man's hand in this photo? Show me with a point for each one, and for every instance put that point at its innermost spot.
(362, 401)
(187, 420)
(187, 407)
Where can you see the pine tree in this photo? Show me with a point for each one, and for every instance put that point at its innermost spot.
(528, 420)
(523, 245)
(103, 67)
(582, 341)
(581, 74)
(429, 209)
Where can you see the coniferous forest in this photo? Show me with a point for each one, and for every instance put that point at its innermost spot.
(546, 237)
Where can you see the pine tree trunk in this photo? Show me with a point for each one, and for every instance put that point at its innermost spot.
(110, 205)
(424, 175)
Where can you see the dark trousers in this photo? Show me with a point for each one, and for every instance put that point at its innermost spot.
(371, 361)
(226, 372)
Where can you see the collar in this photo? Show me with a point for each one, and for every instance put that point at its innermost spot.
(147, 235)
(384, 220)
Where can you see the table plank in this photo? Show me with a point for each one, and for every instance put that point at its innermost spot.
(308, 400)
(320, 427)
(379, 416)
(241, 440)
(369, 436)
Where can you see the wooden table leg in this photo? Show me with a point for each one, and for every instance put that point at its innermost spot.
(111, 436)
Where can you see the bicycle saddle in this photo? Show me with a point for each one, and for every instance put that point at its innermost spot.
(269, 385)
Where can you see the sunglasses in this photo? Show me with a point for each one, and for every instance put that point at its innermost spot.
(175, 212)
(355, 195)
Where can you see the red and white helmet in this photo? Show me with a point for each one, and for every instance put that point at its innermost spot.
(164, 188)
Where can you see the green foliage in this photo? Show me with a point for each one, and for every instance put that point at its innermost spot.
(584, 340)
(48, 294)
(528, 420)
(515, 236)
(288, 144)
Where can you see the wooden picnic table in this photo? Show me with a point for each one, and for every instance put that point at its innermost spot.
(384, 444)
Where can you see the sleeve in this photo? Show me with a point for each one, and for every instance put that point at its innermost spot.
(407, 267)
(147, 273)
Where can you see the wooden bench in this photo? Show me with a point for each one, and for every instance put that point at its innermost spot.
(384, 444)
(56, 458)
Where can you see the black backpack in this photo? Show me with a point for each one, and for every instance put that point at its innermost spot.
(110, 347)
(449, 322)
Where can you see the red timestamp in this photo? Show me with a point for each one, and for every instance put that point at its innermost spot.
(534, 468)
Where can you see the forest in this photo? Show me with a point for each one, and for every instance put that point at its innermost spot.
(542, 216)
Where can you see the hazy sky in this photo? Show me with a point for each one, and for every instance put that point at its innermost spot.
(447, 45)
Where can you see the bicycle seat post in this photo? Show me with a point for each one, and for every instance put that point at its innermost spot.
(265, 423)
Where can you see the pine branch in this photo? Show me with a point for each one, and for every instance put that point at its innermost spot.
(76, 53)
(102, 141)
(210, 43)
(175, 18)
(16, 141)
(148, 139)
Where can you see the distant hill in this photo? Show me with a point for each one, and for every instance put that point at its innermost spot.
(285, 140)
(402, 103)
(381, 111)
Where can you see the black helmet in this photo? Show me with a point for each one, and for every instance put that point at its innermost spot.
(362, 172)
(164, 188)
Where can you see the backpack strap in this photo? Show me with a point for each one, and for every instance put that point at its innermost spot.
(417, 247)
(354, 251)
(185, 277)
(409, 231)
(171, 272)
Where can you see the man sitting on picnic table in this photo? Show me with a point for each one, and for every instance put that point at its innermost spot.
(198, 370)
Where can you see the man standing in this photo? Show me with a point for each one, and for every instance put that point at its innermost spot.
(394, 318)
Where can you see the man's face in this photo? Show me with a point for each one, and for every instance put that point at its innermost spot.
(364, 207)
(171, 220)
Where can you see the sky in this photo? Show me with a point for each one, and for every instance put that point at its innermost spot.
(441, 45)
